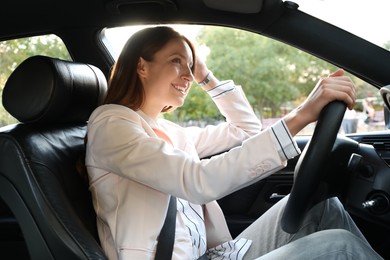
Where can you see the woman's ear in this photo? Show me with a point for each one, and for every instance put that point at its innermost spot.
(142, 68)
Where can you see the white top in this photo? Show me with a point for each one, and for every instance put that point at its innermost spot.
(132, 173)
(190, 216)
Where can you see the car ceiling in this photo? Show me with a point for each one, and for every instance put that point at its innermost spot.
(47, 15)
(79, 21)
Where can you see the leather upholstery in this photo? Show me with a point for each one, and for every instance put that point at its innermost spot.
(39, 177)
(43, 89)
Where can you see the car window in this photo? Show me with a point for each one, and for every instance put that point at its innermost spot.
(275, 77)
(13, 52)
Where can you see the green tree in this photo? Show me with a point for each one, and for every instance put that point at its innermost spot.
(274, 75)
(13, 52)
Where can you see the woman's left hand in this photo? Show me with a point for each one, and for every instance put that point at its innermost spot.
(336, 86)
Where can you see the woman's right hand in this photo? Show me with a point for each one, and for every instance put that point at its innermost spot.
(201, 70)
(336, 86)
(200, 73)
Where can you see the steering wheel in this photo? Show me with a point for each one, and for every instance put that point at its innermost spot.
(309, 169)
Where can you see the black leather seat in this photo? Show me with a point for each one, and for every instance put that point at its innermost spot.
(39, 177)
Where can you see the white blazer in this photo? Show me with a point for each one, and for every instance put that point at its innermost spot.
(132, 172)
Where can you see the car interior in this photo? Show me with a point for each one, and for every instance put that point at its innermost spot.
(46, 210)
(39, 156)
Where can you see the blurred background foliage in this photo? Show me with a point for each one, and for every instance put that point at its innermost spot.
(275, 77)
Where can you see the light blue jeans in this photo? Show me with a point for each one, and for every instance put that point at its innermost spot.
(328, 232)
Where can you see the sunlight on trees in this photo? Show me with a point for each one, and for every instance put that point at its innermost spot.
(275, 77)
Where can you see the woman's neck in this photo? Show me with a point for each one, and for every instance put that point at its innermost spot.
(152, 113)
(151, 116)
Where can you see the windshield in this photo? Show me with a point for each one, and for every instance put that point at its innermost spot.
(366, 19)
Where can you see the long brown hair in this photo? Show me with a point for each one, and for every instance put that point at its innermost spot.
(124, 85)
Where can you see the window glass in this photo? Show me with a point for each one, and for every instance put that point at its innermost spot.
(275, 77)
(13, 52)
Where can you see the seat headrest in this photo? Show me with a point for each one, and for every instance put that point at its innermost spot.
(50, 90)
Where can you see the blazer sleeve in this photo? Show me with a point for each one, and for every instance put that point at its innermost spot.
(119, 142)
(241, 122)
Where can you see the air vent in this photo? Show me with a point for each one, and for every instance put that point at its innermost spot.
(379, 142)
(381, 145)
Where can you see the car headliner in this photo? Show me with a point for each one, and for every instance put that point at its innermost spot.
(79, 23)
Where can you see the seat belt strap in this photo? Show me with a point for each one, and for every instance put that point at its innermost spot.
(166, 238)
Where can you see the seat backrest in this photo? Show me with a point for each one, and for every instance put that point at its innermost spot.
(39, 177)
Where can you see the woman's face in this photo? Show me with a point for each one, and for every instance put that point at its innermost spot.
(167, 79)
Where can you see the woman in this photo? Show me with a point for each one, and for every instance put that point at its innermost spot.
(136, 160)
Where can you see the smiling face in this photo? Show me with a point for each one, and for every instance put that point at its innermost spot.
(167, 78)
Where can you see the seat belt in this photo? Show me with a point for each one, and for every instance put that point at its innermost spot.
(166, 238)
(167, 234)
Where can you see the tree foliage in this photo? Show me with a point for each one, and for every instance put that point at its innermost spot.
(275, 76)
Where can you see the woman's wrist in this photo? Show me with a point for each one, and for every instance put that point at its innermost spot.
(206, 79)
(209, 81)
(295, 121)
